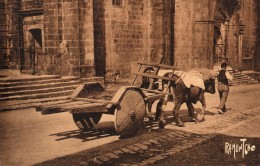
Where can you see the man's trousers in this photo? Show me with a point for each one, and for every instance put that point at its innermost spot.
(223, 94)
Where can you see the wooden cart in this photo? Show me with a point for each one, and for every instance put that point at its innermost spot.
(129, 105)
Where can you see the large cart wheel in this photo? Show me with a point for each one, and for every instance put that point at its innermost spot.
(86, 121)
(130, 114)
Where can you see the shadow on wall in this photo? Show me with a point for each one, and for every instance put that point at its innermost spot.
(99, 37)
(257, 51)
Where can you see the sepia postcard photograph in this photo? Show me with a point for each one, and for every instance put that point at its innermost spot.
(129, 82)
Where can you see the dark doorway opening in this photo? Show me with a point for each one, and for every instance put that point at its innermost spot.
(37, 35)
(219, 46)
(32, 48)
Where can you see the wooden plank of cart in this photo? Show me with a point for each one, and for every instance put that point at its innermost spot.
(129, 104)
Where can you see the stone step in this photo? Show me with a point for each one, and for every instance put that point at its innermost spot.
(239, 77)
(237, 73)
(38, 95)
(243, 82)
(253, 81)
(32, 82)
(41, 85)
(29, 91)
(243, 79)
(29, 78)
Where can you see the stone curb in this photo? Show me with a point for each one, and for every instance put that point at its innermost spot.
(144, 146)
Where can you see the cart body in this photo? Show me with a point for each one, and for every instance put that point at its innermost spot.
(129, 104)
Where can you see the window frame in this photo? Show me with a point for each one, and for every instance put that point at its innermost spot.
(118, 3)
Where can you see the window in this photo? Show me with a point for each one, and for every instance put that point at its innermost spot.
(117, 2)
(37, 3)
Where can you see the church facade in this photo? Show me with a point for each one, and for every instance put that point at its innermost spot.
(92, 37)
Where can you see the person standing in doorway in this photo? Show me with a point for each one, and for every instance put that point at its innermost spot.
(223, 87)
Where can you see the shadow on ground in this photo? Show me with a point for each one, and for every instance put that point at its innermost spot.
(104, 129)
(217, 150)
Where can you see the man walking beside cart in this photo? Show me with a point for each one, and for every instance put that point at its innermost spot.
(223, 88)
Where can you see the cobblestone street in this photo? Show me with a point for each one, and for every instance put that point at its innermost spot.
(201, 144)
(129, 82)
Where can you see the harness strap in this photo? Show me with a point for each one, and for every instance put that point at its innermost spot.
(178, 80)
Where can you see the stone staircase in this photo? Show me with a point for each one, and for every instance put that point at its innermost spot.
(239, 77)
(24, 92)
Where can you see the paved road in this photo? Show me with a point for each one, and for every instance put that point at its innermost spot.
(29, 138)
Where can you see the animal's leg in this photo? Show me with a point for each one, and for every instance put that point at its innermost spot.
(200, 116)
(164, 102)
(191, 111)
(158, 110)
(176, 110)
(149, 107)
(162, 121)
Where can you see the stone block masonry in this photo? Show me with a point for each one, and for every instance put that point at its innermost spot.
(68, 27)
(192, 46)
(124, 33)
(133, 31)
(9, 49)
(92, 37)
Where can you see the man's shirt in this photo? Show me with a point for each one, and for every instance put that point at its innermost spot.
(229, 76)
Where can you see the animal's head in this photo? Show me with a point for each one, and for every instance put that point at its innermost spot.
(210, 85)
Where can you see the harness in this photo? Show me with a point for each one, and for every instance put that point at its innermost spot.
(179, 78)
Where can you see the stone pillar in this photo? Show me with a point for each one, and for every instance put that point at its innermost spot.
(100, 48)
(86, 38)
(240, 42)
(69, 38)
(168, 24)
(226, 45)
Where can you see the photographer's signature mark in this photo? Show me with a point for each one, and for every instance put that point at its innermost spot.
(242, 147)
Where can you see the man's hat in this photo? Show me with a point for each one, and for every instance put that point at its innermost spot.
(224, 64)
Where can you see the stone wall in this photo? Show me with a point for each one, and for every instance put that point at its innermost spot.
(242, 36)
(134, 31)
(86, 38)
(68, 29)
(155, 30)
(31, 4)
(3, 32)
(193, 34)
(124, 33)
(241, 41)
(93, 37)
(9, 34)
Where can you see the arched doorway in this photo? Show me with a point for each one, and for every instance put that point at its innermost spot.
(219, 46)
(224, 41)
